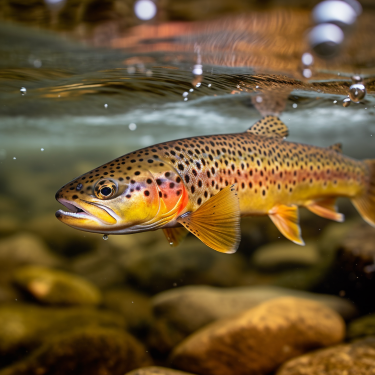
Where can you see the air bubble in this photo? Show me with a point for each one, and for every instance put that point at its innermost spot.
(357, 92)
(14, 158)
(132, 126)
(185, 94)
(197, 70)
(145, 9)
(307, 73)
(105, 237)
(191, 90)
(209, 85)
(186, 99)
(307, 59)
(105, 105)
(23, 90)
(171, 243)
(295, 105)
(131, 69)
(259, 99)
(42, 149)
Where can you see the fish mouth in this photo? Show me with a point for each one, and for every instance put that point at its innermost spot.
(84, 212)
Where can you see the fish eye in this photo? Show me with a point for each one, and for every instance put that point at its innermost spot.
(105, 189)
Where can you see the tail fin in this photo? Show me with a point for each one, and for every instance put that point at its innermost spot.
(365, 203)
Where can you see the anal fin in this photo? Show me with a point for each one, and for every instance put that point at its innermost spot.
(217, 222)
(287, 222)
(175, 235)
(326, 208)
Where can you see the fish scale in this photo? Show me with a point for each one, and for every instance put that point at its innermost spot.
(265, 175)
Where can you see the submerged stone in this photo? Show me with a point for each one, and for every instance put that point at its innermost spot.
(361, 327)
(56, 287)
(26, 248)
(279, 255)
(259, 340)
(356, 358)
(156, 370)
(182, 311)
(24, 327)
(84, 351)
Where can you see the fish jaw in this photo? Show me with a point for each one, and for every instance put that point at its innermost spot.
(86, 216)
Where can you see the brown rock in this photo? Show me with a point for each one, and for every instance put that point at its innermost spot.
(26, 248)
(361, 327)
(282, 254)
(260, 339)
(25, 327)
(357, 358)
(84, 351)
(56, 287)
(156, 370)
(181, 311)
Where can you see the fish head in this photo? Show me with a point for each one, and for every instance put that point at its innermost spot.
(122, 196)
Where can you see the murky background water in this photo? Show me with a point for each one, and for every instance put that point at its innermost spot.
(82, 84)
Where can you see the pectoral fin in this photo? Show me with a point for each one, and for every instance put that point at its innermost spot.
(217, 222)
(326, 208)
(175, 235)
(286, 220)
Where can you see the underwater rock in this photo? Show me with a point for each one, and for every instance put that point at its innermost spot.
(353, 272)
(8, 225)
(24, 327)
(135, 307)
(84, 351)
(356, 358)
(259, 340)
(56, 287)
(182, 311)
(191, 263)
(361, 327)
(281, 255)
(26, 248)
(156, 370)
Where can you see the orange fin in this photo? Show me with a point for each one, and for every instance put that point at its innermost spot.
(365, 203)
(175, 235)
(336, 147)
(326, 208)
(286, 220)
(217, 222)
(270, 126)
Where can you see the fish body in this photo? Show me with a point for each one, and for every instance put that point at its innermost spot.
(206, 183)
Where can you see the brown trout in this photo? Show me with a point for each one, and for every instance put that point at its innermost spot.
(203, 185)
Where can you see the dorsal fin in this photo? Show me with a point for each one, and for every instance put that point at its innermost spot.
(336, 147)
(270, 126)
